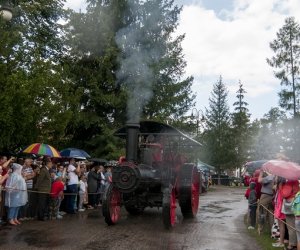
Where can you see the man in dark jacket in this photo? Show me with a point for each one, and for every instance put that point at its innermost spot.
(43, 185)
(93, 178)
(252, 202)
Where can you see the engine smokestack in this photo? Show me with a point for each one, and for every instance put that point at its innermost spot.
(132, 130)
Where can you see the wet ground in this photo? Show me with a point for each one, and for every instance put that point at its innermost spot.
(219, 225)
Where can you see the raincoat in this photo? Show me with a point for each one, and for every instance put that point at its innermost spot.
(16, 189)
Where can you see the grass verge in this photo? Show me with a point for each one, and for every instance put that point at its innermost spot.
(264, 240)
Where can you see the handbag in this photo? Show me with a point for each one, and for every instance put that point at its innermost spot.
(287, 207)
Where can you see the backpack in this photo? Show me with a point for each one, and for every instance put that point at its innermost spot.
(247, 193)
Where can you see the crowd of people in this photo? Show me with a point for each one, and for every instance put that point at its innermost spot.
(275, 198)
(42, 189)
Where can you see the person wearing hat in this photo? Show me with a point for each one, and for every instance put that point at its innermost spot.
(16, 194)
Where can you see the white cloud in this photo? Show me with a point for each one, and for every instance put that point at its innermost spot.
(76, 4)
(235, 46)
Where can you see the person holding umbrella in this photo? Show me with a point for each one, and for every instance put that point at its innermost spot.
(289, 189)
(296, 211)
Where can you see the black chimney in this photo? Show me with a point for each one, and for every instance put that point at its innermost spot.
(132, 130)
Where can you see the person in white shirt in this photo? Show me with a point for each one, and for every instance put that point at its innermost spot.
(102, 183)
(72, 187)
(82, 192)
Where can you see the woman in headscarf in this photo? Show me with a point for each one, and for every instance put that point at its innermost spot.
(16, 193)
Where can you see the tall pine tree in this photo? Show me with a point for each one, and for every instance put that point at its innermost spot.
(217, 143)
(287, 60)
(240, 128)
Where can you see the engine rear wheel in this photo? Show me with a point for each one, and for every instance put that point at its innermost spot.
(189, 186)
(169, 207)
(111, 205)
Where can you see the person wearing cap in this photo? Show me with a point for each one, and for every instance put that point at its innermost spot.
(16, 194)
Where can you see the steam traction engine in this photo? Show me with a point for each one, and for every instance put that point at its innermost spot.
(155, 173)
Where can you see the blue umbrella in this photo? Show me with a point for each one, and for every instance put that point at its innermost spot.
(74, 153)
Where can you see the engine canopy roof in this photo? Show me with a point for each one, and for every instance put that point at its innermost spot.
(161, 130)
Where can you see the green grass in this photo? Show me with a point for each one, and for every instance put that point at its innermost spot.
(264, 240)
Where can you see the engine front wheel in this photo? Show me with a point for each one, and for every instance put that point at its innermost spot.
(169, 207)
(111, 205)
(189, 187)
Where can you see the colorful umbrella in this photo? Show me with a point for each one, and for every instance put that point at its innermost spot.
(286, 169)
(41, 149)
(74, 153)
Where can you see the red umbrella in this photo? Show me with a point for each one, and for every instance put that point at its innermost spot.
(286, 169)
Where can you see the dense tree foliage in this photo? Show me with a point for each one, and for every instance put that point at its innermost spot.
(67, 84)
(33, 95)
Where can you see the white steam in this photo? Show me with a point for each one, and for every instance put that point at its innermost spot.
(138, 53)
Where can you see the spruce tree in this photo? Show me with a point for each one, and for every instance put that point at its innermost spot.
(217, 142)
(240, 128)
(287, 61)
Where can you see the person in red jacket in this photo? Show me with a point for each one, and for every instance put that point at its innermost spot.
(246, 180)
(254, 178)
(289, 189)
(56, 195)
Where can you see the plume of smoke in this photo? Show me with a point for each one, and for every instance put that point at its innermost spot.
(284, 138)
(138, 54)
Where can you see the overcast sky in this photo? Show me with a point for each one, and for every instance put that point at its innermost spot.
(231, 38)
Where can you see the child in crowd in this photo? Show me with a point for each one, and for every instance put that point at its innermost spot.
(108, 175)
(82, 192)
(53, 175)
(56, 196)
(252, 202)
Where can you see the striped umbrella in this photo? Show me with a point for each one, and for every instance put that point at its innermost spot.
(41, 149)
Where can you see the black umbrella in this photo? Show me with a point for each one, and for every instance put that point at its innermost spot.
(251, 166)
(98, 160)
